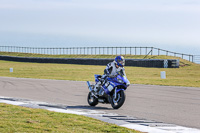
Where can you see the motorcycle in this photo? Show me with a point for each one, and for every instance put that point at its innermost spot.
(111, 92)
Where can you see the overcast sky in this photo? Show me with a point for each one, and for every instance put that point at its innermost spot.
(148, 22)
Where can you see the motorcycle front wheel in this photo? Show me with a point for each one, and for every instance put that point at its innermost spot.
(118, 101)
(92, 101)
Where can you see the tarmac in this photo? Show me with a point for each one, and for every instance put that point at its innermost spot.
(145, 105)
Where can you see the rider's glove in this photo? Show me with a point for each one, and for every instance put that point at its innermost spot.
(104, 76)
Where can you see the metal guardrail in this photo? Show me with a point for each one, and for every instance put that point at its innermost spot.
(97, 51)
(197, 59)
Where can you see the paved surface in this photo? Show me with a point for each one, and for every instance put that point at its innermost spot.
(175, 105)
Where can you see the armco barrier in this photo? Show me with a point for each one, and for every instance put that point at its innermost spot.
(159, 63)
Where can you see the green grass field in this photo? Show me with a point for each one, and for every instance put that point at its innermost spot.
(22, 119)
(187, 75)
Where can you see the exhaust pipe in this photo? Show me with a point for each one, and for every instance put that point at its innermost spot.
(89, 87)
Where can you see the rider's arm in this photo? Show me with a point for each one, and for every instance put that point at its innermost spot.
(108, 69)
(123, 71)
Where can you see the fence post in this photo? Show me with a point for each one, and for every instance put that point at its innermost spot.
(135, 50)
(145, 50)
(107, 50)
(189, 57)
(91, 50)
(125, 50)
(193, 58)
(140, 50)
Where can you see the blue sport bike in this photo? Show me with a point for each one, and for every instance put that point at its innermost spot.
(111, 92)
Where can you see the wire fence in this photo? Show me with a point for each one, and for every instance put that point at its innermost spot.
(197, 59)
(99, 51)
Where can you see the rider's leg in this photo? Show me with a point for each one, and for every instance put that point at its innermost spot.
(101, 82)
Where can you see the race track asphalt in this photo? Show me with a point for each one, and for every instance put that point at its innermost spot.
(169, 104)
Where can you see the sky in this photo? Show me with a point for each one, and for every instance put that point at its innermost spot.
(168, 24)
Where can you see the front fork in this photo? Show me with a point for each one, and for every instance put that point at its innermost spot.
(116, 91)
(115, 96)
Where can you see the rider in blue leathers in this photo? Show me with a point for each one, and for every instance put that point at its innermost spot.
(111, 71)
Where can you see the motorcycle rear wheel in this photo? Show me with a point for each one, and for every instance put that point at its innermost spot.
(92, 101)
(119, 101)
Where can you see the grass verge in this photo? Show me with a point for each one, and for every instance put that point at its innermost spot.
(22, 119)
(85, 56)
(187, 75)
